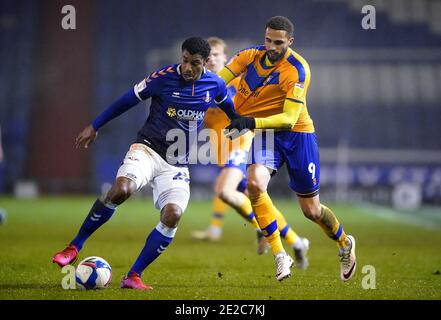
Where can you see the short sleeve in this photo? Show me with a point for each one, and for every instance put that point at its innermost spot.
(297, 86)
(148, 87)
(239, 62)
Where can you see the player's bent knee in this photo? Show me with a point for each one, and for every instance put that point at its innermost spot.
(224, 195)
(170, 215)
(172, 200)
(258, 178)
(255, 187)
(121, 191)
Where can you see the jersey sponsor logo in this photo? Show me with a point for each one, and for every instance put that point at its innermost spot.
(187, 115)
(245, 92)
(176, 95)
(298, 90)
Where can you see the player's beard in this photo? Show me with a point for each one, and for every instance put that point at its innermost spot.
(273, 57)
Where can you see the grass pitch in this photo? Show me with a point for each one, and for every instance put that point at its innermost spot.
(404, 250)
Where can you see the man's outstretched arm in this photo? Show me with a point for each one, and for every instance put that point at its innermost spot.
(227, 75)
(124, 103)
(227, 106)
(285, 120)
(282, 121)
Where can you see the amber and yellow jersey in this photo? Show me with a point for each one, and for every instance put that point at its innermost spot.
(266, 90)
(217, 120)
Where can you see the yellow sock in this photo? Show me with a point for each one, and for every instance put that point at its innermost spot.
(286, 232)
(246, 211)
(220, 208)
(330, 225)
(264, 210)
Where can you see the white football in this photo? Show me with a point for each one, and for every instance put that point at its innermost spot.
(93, 273)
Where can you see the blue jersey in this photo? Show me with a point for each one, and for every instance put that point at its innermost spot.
(176, 104)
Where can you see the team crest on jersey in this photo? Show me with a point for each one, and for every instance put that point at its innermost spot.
(207, 97)
(298, 90)
(171, 112)
(267, 80)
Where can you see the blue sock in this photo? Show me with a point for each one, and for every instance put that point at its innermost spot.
(251, 216)
(155, 244)
(242, 185)
(97, 216)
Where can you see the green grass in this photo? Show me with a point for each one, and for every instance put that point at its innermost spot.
(406, 257)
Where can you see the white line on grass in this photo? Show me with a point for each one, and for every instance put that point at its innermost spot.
(395, 216)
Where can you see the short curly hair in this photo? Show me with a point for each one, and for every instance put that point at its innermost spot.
(197, 45)
(281, 23)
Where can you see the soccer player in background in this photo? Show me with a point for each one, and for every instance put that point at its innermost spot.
(216, 121)
(272, 95)
(181, 94)
(230, 186)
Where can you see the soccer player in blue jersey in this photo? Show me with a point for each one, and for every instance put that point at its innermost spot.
(180, 94)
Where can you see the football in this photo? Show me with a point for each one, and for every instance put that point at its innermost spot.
(93, 273)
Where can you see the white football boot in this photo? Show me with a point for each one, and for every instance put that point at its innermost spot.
(300, 253)
(211, 234)
(348, 262)
(284, 264)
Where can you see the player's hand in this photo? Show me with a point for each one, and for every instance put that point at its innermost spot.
(240, 123)
(86, 137)
(239, 126)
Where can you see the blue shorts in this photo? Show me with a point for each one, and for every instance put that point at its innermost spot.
(300, 153)
(238, 159)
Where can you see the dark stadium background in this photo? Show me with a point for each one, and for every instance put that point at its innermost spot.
(375, 100)
(375, 94)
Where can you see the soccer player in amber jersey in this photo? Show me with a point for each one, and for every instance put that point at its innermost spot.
(274, 81)
(231, 182)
